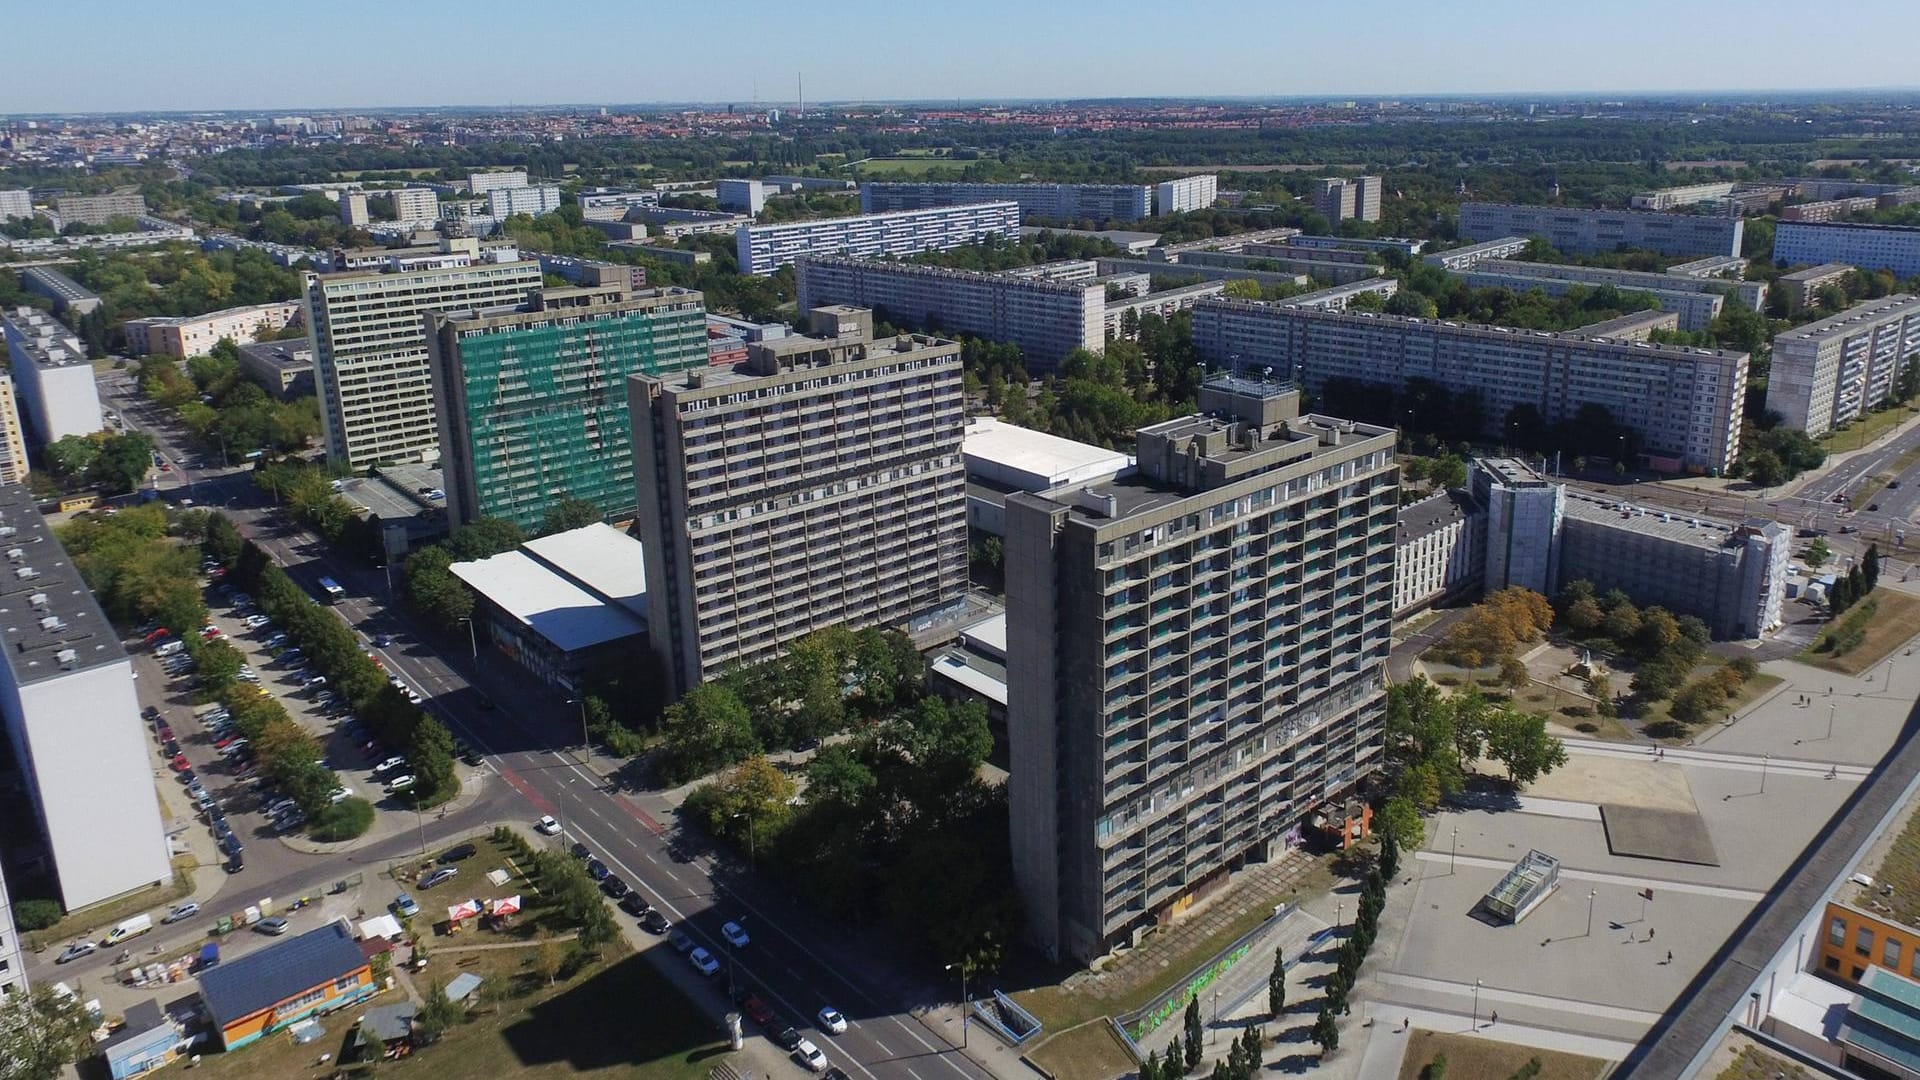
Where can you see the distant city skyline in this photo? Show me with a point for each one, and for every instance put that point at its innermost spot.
(221, 55)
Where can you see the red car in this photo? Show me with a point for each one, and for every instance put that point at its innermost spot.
(158, 635)
(179, 763)
(165, 733)
(757, 1010)
(224, 743)
(209, 633)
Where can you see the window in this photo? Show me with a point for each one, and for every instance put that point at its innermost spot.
(1863, 941)
(345, 983)
(1890, 954)
(1837, 933)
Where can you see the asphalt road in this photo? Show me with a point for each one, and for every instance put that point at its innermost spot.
(529, 734)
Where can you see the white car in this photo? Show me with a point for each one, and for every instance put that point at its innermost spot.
(546, 826)
(182, 911)
(389, 765)
(831, 1021)
(735, 934)
(809, 1055)
(401, 783)
(339, 794)
(703, 962)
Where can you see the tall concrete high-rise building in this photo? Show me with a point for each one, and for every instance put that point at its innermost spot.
(16, 203)
(1068, 202)
(68, 706)
(1831, 371)
(1585, 232)
(532, 201)
(353, 209)
(819, 483)
(13, 441)
(1195, 657)
(1186, 193)
(98, 209)
(1046, 318)
(1524, 512)
(1684, 402)
(532, 400)
(762, 249)
(1341, 197)
(415, 204)
(370, 350)
(51, 375)
(482, 182)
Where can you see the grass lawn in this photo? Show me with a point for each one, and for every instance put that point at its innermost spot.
(1060, 1008)
(1892, 622)
(1900, 868)
(1550, 701)
(1865, 430)
(1469, 1058)
(1756, 1064)
(619, 1019)
(537, 918)
(1751, 691)
(1089, 1052)
(91, 922)
(918, 166)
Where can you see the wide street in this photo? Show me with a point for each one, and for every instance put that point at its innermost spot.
(530, 738)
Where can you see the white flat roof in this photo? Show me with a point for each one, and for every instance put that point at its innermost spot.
(1033, 460)
(546, 602)
(953, 667)
(600, 557)
(989, 634)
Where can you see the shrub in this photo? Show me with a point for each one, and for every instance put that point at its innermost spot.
(1436, 1069)
(1447, 680)
(344, 820)
(1576, 710)
(1586, 727)
(37, 914)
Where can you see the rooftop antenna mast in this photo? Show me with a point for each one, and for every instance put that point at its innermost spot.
(800, 87)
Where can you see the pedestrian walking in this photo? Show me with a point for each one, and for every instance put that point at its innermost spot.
(1406, 1023)
(1649, 933)
(1493, 1019)
(1669, 956)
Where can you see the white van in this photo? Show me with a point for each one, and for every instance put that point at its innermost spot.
(129, 928)
(169, 648)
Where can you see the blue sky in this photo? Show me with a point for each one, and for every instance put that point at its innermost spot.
(95, 55)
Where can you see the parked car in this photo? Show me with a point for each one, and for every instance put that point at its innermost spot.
(758, 1011)
(579, 851)
(735, 934)
(405, 906)
(613, 885)
(273, 927)
(703, 962)
(654, 921)
(389, 765)
(75, 951)
(439, 877)
(786, 1038)
(597, 870)
(831, 1021)
(179, 763)
(546, 826)
(457, 854)
(401, 783)
(809, 1055)
(634, 905)
(383, 641)
(181, 911)
(681, 943)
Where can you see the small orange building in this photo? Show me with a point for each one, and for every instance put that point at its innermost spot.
(317, 972)
(1852, 940)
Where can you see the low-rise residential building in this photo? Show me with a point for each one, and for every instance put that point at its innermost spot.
(317, 972)
(1751, 293)
(283, 367)
(974, 668)
(1684, 402)
(1059, 202)
(565, 605)
(1583, 232)
(1048, 319)
(1804, 285)
(1694, 310)
(1633, 326)
(1336, 267)
(1869, 247)
(182, 336)
(1338, 297)
(1439, 551)
(1688, 195)
(762, 249)
(673, 222)
(1165, 303)
(66, 293)
(1109, 267)
(1829, 372)
(613, 205)
(1730, 267)
(51, 376)
(591, 272)
(1003, 458)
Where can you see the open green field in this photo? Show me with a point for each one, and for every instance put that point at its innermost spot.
(911, 166)
(1866, 429)
(1469, 1058)
(1089, 1052)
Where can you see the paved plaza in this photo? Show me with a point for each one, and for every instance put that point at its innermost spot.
(1763, 786)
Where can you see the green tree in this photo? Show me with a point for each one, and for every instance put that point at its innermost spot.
(570, 513)
(71, 457)
(484, 537)
(1818, 552)
(436, 1014)
(705, 730)
(1871, 568)
(434, 591)
(1277, 986)
(1242, 289)
(41, 1032)
(1194, 1031)
(1520, 742)
(1326, 1032)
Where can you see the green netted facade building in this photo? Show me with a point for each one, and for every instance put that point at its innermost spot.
(531, 400)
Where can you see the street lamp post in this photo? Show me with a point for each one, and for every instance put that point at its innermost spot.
(1764, 758)
(749, 819)
(1453, 851)
(1213, 1032)
(965, 1003)
(473, 642)
(1476, 1004)
(1830, 709)
(1590, 895)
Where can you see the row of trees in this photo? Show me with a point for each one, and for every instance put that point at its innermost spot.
(1856, 584)
(1666, 647)
(893, 823)
(1494, 629)
(112, 462)
(331, 645)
